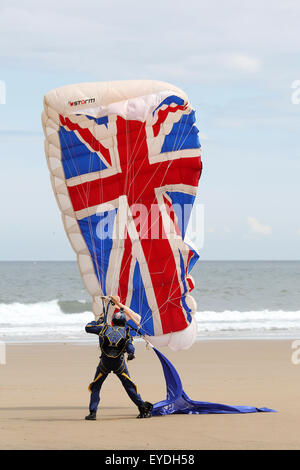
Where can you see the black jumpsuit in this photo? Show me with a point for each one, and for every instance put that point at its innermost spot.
(114, 342)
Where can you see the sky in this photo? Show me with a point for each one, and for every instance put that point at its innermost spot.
(237, 61)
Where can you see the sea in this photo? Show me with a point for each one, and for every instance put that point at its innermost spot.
(46, 301)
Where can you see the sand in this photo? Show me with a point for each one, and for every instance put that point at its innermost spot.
(44, 398)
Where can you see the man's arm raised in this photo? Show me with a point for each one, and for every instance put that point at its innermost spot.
(130, 314)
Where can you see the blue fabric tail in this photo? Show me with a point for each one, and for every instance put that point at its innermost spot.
(178, 402)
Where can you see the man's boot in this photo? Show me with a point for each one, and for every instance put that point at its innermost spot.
(145, 410)
(91, 416)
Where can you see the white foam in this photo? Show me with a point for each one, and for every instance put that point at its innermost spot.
(45, 320)
(252, 320)
(39, 313)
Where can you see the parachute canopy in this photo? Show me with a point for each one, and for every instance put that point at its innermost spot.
(124, 161)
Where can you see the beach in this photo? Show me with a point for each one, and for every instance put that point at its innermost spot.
(44, 397)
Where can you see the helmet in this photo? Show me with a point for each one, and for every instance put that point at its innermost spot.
(119, 318)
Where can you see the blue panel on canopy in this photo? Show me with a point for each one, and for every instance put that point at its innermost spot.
(182, 204)
(139, 303)
(99, 228)
(183, 135)
(76, 158)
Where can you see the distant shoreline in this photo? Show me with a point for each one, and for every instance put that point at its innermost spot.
(91, 341)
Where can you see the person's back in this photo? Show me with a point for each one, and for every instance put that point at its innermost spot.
(113, 340)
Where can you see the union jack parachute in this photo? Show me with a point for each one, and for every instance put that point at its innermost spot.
(124, 161)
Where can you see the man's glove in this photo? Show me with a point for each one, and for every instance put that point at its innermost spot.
(130, 357)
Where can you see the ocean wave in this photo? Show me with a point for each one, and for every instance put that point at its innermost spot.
(230, 320)
(75, 306)
(51, 312)
(67, 319)
(42, 321)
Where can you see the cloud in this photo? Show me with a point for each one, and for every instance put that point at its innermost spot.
(116, 38)
(257, 227)
(243, 63)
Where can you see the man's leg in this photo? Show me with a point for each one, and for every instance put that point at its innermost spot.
(95, 392)
(95, 388)
(145, 408)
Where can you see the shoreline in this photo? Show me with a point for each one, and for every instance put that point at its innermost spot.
(230, 337)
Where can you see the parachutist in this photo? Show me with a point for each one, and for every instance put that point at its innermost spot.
(114, 341)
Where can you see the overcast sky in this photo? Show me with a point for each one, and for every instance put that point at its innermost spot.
(237, 61)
